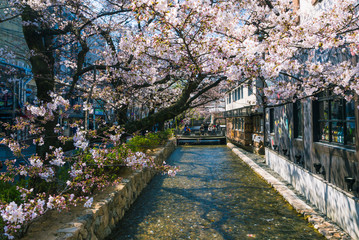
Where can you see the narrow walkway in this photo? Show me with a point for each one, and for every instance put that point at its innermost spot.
(215, 196)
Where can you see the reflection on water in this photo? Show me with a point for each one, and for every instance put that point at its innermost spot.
(215, 196)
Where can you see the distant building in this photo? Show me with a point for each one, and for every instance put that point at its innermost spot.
(16, 83)
(244, 117)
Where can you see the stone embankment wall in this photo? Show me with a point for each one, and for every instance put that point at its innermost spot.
(340, 206)
(108, 208)
(328, 229)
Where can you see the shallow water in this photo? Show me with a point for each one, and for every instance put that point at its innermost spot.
(215, 196)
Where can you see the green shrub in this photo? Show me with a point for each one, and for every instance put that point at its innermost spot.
(149, 141)
(9, 193)
(141, 143)
(165, 135)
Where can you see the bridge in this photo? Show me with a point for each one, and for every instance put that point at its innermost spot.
(200, 139)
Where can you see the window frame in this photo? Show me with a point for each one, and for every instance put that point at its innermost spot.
(329, 98)
(239, 122)
(298, 120)
(242, 122)
(250, 90)
(271, 121)
(258, 124)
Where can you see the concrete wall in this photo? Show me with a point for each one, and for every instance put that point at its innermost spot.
(340, 206)
(338, 161)
(107, 210)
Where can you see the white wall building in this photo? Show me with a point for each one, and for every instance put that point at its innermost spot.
(241, 96)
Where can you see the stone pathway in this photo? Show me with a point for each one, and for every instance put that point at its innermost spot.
(324, 225)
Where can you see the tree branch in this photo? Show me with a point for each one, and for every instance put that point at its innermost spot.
(288, 75)
(10, 18)
(220, 79)
(102, 67)
(103, 15)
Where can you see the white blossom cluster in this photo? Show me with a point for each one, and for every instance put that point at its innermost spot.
(59, 157)
(138, 159)
(80, 140)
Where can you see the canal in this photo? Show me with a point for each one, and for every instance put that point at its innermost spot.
(215, 196)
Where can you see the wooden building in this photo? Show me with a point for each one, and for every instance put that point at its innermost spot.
(244, 118)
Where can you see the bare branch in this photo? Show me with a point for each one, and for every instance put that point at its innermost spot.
(10, 18)
(103, 15)
(203, 90)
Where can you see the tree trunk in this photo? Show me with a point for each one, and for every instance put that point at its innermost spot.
(121, 115)
(42, 62)
(167, 113)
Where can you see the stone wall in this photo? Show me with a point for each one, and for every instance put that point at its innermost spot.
(328, 229)
(342, 207)
(109, 207)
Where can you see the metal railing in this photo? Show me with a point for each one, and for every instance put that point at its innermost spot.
(193, 133)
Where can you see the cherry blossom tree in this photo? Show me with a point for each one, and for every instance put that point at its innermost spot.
(166, 56)
(124, 53)
(296, 53)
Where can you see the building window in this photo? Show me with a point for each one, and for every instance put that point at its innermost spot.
(6, 99)
(239, 124)
(250, 90)
(242, 91)
(335, 119)
(271, 120)
(229, 98)
(255, 124)
(298, 119)
(258, 124)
